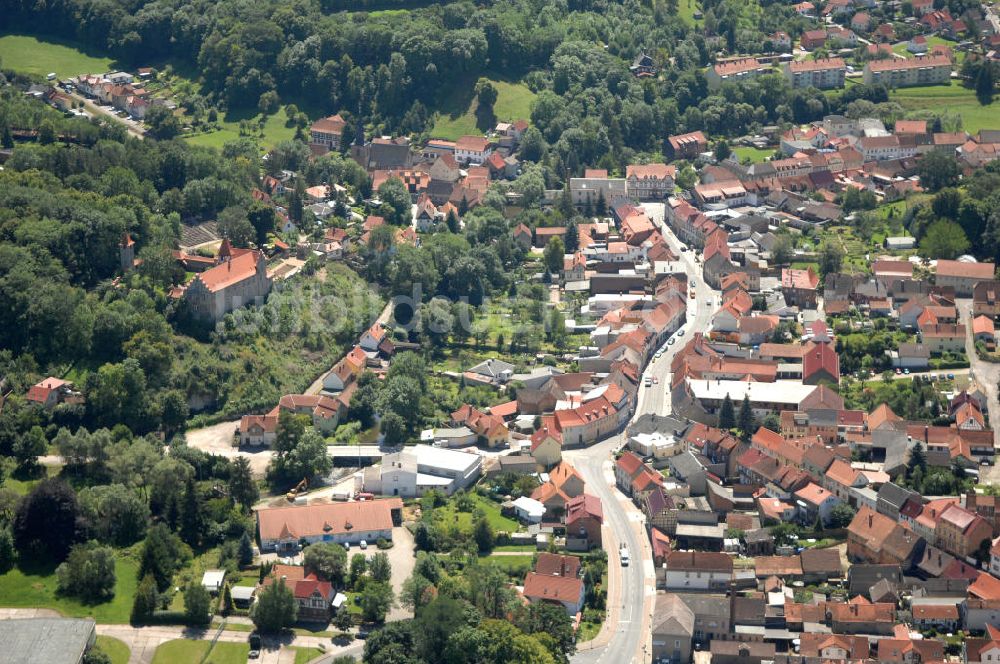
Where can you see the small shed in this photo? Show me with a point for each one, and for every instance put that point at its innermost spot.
(529, 510)
(338, 601)
(242, 596)
(212, 580)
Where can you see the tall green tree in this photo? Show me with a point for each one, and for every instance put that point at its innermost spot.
(727, 414)
(146, 598)
(985, 83)
(46, 523)
(88, 573)
(192, 517)
(245, 552)
(376, 600)
(197, 604)
(943, 239)
(746, 420)
(328, 561)
(396, 204)
(275, 608)
(242, 486)
(554, 252)
(380, 568)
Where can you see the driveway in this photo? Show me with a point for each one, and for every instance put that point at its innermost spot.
(218, 439)
(402, 559)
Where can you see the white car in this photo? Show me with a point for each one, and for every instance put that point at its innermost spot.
(363, 544)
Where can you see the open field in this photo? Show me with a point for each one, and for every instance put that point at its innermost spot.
(515, 566)
(275, 131)
(113, 648)
(686, 10)
(932, 41)
(458, 112)
(449, 515)
(755, 155)
(952, 98)
(37, 589)
(186, 651)
(30, 55)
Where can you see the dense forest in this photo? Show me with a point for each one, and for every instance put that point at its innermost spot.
(391, 70)
(64, 208)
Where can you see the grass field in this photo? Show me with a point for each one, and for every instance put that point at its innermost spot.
(114, 648)
(275, 131)
(37, 589)
(952, 98)
(686, 9)
(932, 41)
(303, 655)
(458, 117)
(186, 651)
(516, 566)
(449, 514)
(755, 155)
(24, 53)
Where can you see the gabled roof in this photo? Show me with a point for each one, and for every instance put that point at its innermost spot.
(552, 588)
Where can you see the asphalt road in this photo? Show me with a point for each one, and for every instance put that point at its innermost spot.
(632, 589)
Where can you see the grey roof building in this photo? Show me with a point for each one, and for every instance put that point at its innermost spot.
(48, 640)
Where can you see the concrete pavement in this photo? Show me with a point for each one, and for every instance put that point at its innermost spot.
(626, 636)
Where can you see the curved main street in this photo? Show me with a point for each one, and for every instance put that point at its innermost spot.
(626, 636)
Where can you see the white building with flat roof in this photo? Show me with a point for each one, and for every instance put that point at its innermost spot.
(418, 469)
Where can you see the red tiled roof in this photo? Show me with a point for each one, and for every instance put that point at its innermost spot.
(471, 143)
(229, 272)
(946, 268)
(333, 518)
(582, 506)
(333, 124)
(820, 357)
(553, 588)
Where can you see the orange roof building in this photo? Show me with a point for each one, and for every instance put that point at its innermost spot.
(282, 528)
(240, 279)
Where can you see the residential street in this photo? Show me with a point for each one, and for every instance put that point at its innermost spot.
(626, 636)
(987, 375)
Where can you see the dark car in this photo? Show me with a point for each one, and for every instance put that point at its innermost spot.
(254, 641)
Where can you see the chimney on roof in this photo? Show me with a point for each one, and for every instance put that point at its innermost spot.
(871, 520)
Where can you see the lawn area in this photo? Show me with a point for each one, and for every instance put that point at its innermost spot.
(22, 487)
(37, 589)
(114, 648)
(457, 116)
(24, 53)
(303, 655)
(755, 155)
(686, 9)
(588, 631)
(275, 131)
(515, 566)
(449, 514)
(515, 548)
(932, 41)
(187, 651)
(952, 98)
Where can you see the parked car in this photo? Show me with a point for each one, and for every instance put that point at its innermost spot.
(680, 332)
(254, 641)
(363, 544)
